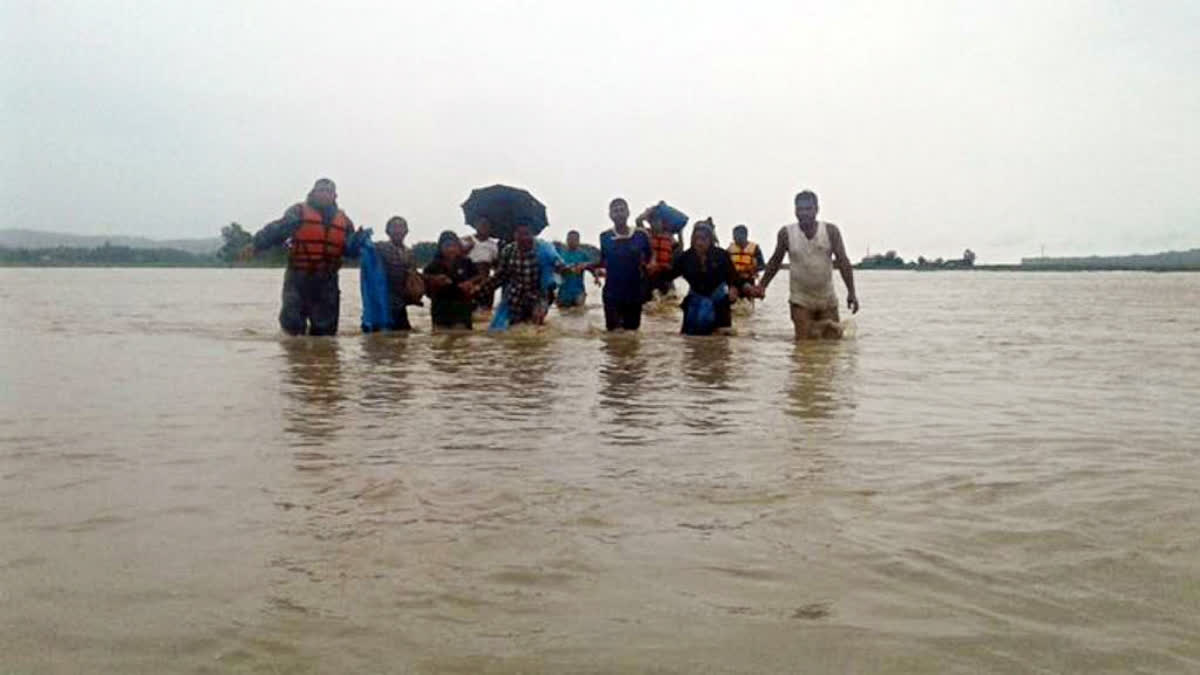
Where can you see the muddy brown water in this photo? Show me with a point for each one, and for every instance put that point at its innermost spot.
(997, 473)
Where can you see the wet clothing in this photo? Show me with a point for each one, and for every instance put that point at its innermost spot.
(572, 291)
(520, 272)
(705, 277)
(310, 303)
(485, 252)
(549, 262)
(624, 259)
(811, 268)
(449, 306)
(318, 237)
(398, 262)
(623, 315)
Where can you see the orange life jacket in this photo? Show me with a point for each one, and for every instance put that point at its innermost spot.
(744, 260)
(663, 248)
(317, 245)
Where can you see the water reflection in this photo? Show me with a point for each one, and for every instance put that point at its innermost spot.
(529, 363)
(626, 395)
(313, 387)
(385, 384)
(707, 360)
(819, 384)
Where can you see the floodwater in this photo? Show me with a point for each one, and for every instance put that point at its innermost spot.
(998, 473)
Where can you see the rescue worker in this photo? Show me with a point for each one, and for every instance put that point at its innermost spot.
(663, 248)
(746, 256)
(319, 235)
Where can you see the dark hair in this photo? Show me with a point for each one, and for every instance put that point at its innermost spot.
(617, 200)
(741, 228)
(807, 196)
(573, 232)
(447, 237)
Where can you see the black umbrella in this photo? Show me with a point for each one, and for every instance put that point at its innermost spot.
(505, 207)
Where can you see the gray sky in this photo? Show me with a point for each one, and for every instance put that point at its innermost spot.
(925, 127)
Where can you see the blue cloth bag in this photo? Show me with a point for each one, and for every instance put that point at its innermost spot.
(673, 219)
(700, 311)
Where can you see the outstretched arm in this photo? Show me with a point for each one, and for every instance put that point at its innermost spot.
(843, 264)
(781, 247)
(276, 232)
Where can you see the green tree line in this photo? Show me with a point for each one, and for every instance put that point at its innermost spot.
(234, 238)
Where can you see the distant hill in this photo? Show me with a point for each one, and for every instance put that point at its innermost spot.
(1168, 260)
(35, 239)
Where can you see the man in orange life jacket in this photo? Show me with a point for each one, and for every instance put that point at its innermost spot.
(664, 246)
(320, 234)
(746, 256)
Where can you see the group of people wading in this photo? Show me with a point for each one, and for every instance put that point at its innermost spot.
(636, 263)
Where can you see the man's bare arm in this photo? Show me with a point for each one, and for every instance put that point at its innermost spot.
(843, 264)
(781, 247)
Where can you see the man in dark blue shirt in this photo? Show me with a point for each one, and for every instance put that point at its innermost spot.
(624, 254)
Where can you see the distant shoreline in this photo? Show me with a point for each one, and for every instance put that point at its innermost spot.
(1054, 268)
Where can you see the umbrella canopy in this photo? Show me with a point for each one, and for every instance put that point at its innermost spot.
(505, 207)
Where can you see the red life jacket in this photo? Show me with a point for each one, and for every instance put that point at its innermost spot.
(663, 248)
(317, 245)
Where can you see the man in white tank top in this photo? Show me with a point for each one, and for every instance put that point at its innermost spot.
(813, 247)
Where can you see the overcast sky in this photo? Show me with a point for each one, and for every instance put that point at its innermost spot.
(925, 127)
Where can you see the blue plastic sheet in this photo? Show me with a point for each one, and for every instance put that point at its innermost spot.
(500, 319)
(373, 284)
(549, 261)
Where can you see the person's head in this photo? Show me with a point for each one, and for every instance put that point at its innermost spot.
(806, 206)
(572, 240)
(523, 235)
(703, 236)
(323, 193)
(741, 235)
(483, 228)
(656, 224)
(618, 211)
(397, 229)
(449, 245)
